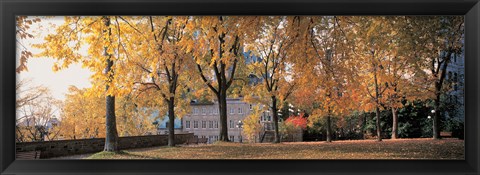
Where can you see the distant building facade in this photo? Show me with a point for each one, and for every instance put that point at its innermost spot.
(204, 119)
(456, 94)
(163, 123)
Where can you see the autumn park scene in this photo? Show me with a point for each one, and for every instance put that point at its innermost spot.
(240, 87)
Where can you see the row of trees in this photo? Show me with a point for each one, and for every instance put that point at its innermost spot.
(374, 63)
(327, 65)
(338, 65)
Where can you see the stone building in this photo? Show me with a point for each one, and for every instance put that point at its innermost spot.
(204, 119)
(163, 123)
(456, 76)
(204, 122)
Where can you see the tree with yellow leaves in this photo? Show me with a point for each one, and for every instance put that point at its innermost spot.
(215, 44)
(373, 46)
(102, 37)
(252, 126)
(322, 69)
(436, 41)
(273, 39)
(23, 24)
(401, 74)
(162, 66)
(83, 116)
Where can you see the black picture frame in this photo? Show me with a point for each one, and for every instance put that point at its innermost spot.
(10, 8)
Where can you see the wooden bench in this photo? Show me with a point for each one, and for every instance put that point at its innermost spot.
(28, 155)
(445, 134)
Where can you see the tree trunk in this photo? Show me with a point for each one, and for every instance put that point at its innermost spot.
(111, 136)
(171, 122)
(275, 119)
(395, 124)
(379, 130)
(377, 103)
(222, 104)
(364, 125)
(329, 128)
(436, 117)
(438, 91)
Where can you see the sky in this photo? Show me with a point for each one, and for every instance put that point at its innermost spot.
(40, 69)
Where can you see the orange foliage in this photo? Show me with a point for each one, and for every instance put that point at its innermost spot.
(297, 121)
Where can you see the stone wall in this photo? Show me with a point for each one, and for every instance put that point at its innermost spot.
(81, 146)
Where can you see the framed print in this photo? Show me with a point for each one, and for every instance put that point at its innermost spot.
(240, 87)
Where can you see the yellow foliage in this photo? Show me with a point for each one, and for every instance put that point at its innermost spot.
(252, 125)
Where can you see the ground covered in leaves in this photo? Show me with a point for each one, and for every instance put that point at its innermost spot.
(357, 149)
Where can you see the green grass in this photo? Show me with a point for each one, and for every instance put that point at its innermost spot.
(105, 154)
(358, 149)
(116, 155)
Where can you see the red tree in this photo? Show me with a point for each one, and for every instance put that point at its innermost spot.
(297, 121)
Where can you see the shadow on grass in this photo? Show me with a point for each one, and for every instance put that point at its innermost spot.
(119, 155)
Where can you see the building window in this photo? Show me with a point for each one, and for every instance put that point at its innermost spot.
(210, 139)
(195, 110)
(204, 124)
(216, 138)
(231, 124)
(240, 110)
(251, 107)
(203, 110)
(195, 124)
(216, 124)
(187, 124)
(204, 137)
(232, 110)
(232, 138)
(210, 124)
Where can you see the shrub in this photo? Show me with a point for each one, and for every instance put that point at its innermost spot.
(297, 121)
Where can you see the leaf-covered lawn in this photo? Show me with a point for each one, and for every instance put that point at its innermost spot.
(358, 149)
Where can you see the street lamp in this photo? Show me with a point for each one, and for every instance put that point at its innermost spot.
(433, 122)
(240, 126)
